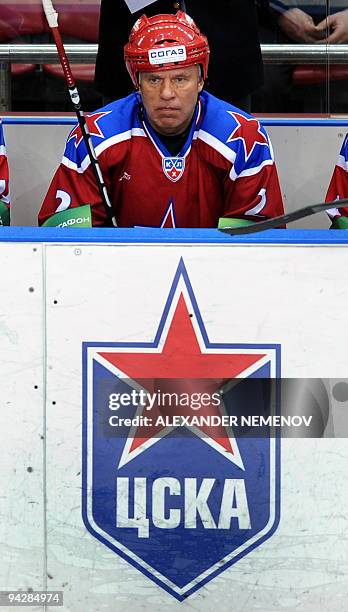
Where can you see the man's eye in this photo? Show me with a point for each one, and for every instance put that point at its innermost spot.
(154, 80)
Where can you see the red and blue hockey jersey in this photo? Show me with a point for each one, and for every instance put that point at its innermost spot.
(225, 169)
(338, 188)
(4, 182)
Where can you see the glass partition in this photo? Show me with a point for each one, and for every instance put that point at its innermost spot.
(337, 33)
(312, 87)
(289, 87)
(40, 87)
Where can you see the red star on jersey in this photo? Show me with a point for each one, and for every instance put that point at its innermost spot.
(250, 134)
(182, 363)
(93, 127)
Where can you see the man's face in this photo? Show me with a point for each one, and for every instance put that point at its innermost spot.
(170, 97)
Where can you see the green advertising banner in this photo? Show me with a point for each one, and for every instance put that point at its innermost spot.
(4, 213)
(72, 217)
(225, 222)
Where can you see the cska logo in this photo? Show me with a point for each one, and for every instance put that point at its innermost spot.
(179, 498)
(173, 167)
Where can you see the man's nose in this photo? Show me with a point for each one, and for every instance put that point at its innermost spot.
(167, 89)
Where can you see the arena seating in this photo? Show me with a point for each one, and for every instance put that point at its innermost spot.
(11, 25)
(315, 75)
(81, 72)
(84, 29)
(321, 87)
(14, 24)
(22, 20)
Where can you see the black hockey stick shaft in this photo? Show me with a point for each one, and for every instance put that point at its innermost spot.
(301, 213)
(52, 20)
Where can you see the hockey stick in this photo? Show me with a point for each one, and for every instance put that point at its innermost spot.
(52, 20)
(283, 219)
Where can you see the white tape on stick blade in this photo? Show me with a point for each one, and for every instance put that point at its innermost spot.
(137, 5)
(51, 15)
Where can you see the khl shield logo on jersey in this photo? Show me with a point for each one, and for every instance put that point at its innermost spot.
(168, 483)
(173, 167)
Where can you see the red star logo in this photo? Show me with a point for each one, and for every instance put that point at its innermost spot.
(248, 131)
(93, 127)
(182, 362)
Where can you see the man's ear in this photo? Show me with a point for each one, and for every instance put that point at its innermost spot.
(200, 85)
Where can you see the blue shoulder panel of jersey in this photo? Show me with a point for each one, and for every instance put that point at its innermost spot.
(116, 119)
(2, 141)
(344, 149)
(236, 130)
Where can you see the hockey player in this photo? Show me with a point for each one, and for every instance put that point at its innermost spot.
(171, 154)
(338, 189)
(4, 183)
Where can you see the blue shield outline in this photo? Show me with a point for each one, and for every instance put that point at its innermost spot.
(89, 350)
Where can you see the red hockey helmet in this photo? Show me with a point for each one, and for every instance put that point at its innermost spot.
(165, 42)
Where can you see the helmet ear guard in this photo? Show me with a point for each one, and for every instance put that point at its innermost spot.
(165, 42)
